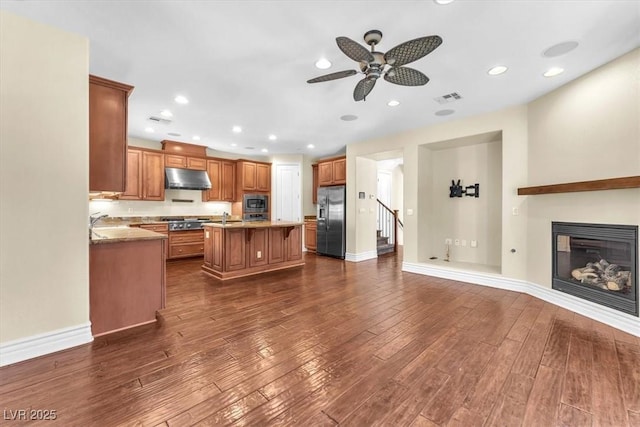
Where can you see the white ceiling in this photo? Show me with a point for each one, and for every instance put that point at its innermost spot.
(247, 62)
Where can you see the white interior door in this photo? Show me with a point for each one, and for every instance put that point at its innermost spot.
(288, 193)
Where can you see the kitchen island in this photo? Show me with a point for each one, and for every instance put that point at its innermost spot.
(238, 249)
(126, 278)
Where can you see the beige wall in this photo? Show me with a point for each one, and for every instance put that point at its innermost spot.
(512, 122)
(588, 129)
(466, 218)
(44, 263)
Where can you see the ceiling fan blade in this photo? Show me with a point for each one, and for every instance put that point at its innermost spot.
(354, 50)
(363, 88)
(333, 76)
(412, 50)
(406, 76)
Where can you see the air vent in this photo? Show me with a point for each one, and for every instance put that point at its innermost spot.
(159, 120)
(450, 97)
(173, 134)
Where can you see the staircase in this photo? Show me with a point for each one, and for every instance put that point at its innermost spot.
(383, 246)
(387, 232)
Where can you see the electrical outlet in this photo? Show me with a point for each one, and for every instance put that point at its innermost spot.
(515, 211)
(474, 243)
(463, 242)
(456, 242)
(447, 241)
(259, 254)
(409, 211)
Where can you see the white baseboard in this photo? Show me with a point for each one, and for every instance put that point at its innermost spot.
(41, 344)
(609, 316)
(362, 256)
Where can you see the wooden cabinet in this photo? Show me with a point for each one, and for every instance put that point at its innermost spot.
(222, 174)
(314, 186)
(235, 251)
(332, 172)
(188, 243)
(258, 246)
(310, 236)
(184, 162)
(133, 189)
(145, 175)
(126, 284)
(107, 134)
(158, 228)
(253, 177)
(152, 175)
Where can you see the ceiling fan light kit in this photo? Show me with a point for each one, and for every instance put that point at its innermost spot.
(388, 65)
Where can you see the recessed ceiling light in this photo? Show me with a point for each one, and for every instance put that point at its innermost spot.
(233, 144)
(560, 49)
(264, 150)
(497, 70)
(237, 129)
(443, 1)
(196, 138)
(553, 71)
(272, 137)
(181, 99)
(323, 63)
(150, 130)
(166, 113)
(444, 112)
(349, 117)
(311, 146)
(393, 103)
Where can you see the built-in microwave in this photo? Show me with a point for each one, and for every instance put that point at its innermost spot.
(255, 203)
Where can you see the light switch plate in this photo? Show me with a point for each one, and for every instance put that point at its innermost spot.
(409, 211)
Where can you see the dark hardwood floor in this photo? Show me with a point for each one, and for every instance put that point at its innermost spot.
(340, 343)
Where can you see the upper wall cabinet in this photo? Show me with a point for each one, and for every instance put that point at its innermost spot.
(184, 162)
(222, 174)
(145, 175)
(332, 172)
(253, 176)
(107, 134)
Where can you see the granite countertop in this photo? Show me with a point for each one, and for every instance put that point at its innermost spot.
(254, 224)
(102, 235)
(121, 221)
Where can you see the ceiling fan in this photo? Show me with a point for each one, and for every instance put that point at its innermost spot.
(389, 65)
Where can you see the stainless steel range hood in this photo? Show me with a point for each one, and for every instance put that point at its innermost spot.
(186, 179)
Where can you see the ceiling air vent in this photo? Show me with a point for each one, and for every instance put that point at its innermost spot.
(159, 120)
(450, 97)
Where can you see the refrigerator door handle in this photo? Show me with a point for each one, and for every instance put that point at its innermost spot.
(328, 211)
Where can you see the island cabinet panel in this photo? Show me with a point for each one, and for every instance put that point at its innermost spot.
(126, 284)
(234, 249)
(237, 250)
(276, 245)
(152, 176)
(107, 134)
(258, 246)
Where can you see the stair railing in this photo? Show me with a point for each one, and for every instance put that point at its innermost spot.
(388, 222)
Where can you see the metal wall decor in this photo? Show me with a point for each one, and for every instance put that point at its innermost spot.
(457, 190)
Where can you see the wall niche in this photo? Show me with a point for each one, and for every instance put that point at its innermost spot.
(474, 224)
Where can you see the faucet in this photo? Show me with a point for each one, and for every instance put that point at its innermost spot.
(224, 218)
(94, 219)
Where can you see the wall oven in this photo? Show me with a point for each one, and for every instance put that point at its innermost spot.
(255, 207)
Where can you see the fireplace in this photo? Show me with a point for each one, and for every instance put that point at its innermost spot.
(597, 262)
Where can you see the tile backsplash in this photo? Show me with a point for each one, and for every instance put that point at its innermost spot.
(168, 207)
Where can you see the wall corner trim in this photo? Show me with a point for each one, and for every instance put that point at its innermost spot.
(41, 344)
(611, 317)
(362, 256)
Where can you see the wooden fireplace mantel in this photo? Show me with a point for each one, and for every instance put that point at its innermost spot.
(570, 187)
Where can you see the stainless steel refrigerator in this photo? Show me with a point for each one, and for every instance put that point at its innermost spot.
(331, 221)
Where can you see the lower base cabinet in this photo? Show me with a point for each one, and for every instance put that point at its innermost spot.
(126, 284)
(238, 252)
(184, 244)
(310, 236)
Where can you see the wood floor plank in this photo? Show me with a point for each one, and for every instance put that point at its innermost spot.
(372, 346)
(544, 400)
(569, 416)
